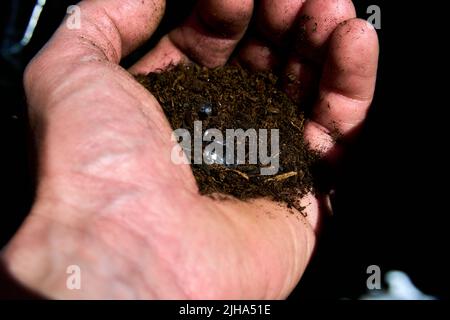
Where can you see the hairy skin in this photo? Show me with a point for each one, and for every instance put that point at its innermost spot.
(110, 200)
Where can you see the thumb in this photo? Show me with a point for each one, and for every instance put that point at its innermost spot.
(109, 30)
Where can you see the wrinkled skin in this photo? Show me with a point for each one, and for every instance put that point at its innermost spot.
(110, 200)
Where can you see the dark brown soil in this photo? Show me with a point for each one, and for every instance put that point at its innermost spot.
(231, 98)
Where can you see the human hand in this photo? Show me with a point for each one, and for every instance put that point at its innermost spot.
(110, 200)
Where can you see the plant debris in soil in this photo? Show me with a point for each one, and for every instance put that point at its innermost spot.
(231, 97)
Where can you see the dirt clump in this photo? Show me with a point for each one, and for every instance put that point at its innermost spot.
(231, 97)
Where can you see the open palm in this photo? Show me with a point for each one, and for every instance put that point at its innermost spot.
(109, 199)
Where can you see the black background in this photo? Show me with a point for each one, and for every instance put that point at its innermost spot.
(389, 207)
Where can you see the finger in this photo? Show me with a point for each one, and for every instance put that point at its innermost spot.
(276, 17)
(161, 57)
(107, 24)
(134, 21)
(274, 20)
(309, 22)
(314, 24)
(347, 85)
(257, 55)
(208, 37)
(304, 26)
